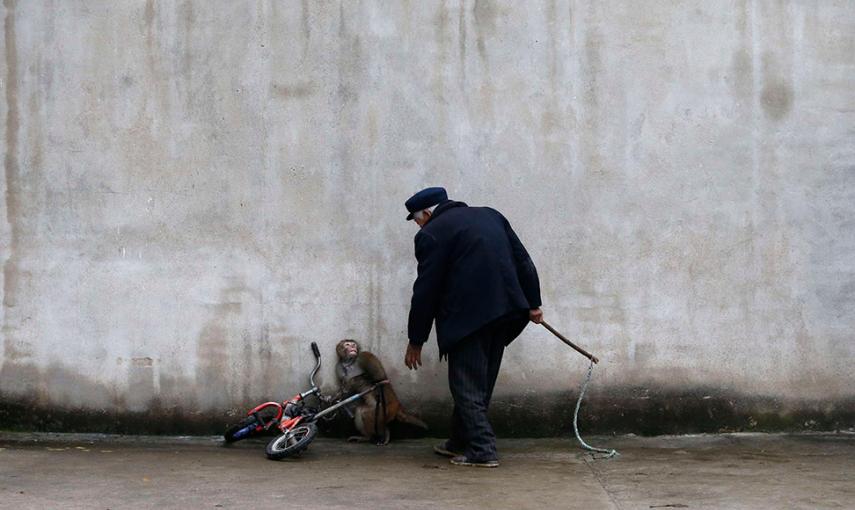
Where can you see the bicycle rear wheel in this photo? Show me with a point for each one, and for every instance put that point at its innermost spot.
(293, 442)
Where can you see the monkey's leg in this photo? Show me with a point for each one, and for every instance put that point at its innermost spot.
(371, 425)
(380, 432)
(384, 437)
(363, 420)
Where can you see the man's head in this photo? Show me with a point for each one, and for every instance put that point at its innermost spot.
(421, 204)
(422, 217)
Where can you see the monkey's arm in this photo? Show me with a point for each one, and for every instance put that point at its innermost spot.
(344, 389)
(371, 366)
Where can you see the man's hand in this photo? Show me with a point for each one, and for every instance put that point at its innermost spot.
(413, 357)
(535, 315)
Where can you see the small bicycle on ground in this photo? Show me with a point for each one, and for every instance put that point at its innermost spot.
(296, 422)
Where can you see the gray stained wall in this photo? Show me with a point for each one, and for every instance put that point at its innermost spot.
(196, 190)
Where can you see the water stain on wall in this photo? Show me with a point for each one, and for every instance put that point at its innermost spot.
(297, 90)
(635, 410)
(19, 377)
(306, 25)
(13, 205)
(60, 399)
(441, 34)
(159, 78)
(776, 98)
(461, 43)
(141, 384)
(35, 137)
(212, 354)
(237, 362)
(776, 61)
(64, 386)
(551, 23)
(742, 69)
(187, 15)
(740, 76)
(148, 16)
(486, 15)
(377, 326)
(591, 67)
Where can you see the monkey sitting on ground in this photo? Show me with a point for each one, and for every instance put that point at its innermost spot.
(357, 371)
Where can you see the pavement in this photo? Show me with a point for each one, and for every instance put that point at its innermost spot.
(745, 471)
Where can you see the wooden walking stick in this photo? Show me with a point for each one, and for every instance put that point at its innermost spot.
(561, 337)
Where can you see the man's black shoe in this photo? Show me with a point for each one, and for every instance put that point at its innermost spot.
(462, 460)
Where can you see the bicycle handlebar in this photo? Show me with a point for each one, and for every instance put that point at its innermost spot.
(317, 354)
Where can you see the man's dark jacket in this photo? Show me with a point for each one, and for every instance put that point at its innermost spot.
(472, 270)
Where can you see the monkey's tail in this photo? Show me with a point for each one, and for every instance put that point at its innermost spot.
(409, 419)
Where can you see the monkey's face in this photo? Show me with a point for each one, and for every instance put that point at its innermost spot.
(347, 350)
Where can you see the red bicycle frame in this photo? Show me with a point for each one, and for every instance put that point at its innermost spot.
(277, 419)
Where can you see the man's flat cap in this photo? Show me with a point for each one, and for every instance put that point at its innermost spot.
(425, 198)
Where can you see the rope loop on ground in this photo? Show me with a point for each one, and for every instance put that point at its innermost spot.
(607, 453)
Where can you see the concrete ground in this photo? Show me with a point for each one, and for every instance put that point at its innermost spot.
(721, 471)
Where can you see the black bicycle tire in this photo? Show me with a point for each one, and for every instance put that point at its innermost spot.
(294, 449)
(228, 435)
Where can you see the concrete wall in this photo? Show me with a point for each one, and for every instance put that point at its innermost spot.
(196, 190)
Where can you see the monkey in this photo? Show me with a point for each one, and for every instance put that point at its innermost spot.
(358, 370)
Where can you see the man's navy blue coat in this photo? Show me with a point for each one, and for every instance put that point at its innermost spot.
(472, 270)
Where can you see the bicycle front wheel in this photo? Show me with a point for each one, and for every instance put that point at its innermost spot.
(293, 442)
